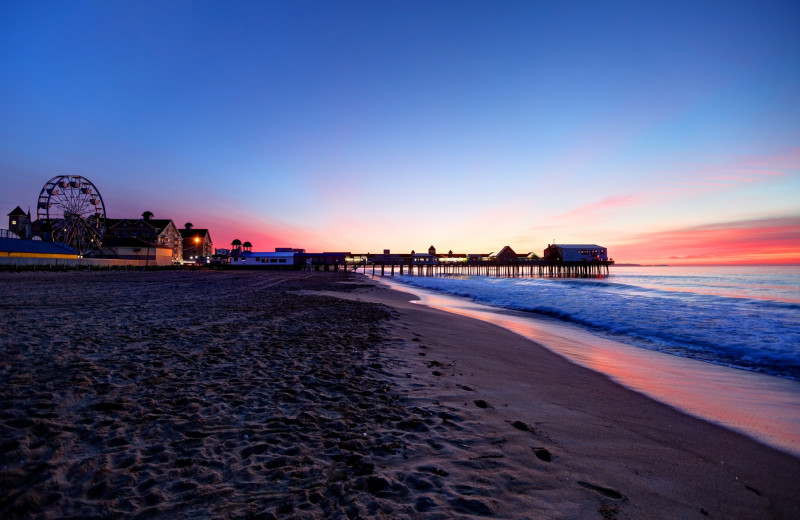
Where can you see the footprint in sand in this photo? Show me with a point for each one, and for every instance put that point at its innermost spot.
(542, 454)
(521, 426)
(606, 492)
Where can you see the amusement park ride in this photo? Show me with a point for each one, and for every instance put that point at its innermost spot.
(73, 213)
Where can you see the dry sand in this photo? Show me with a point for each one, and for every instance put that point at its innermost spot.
(294, 395)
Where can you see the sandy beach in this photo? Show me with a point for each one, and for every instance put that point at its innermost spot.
(207, 394)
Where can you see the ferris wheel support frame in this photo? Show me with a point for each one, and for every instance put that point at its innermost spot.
(74, 211)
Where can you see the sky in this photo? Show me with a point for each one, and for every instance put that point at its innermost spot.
(668, 132)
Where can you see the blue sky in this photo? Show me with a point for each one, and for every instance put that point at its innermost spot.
(360, 126)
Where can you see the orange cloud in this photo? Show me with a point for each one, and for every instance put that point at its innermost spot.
(770, 240)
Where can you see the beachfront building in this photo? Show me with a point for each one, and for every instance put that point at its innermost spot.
(576, 253)
(282, 257)
(327, 260)
(19, 223)
(286, 258)
(222, 255)
(12, 250)
(197, 245)
(160, 232)
(132, 248)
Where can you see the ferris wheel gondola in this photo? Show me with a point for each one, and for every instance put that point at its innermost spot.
(73, 210)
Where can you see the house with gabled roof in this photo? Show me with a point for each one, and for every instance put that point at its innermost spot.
(504, 256)
(19, 222)
(197, 244)
(160, 232)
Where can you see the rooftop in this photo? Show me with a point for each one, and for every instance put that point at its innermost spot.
(15, 245)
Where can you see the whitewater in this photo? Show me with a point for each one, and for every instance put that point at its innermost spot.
(719, 343)
(743, 317)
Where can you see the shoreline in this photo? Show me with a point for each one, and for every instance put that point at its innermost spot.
(663, 463)
(761, 406)
(325, 395)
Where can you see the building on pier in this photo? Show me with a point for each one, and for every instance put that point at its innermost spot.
(576, 253)
(505, 255)
(429, 258)
(560, 260)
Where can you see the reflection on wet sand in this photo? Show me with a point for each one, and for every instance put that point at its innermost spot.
(763, 407)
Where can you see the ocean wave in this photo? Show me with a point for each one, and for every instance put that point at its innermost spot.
(752, 334)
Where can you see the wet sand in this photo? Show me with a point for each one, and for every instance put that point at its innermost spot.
(322, 395)
(764, 407)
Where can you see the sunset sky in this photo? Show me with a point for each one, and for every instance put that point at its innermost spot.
(668, 132)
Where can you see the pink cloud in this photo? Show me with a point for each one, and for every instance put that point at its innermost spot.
(680, 179)
(601, 207)
(742, 170)
(769, 240)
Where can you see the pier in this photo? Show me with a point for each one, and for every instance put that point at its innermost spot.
(523, 268)
(559, 261)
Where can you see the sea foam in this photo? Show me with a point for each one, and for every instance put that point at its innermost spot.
(717, 317)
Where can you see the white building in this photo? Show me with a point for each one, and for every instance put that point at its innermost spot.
(576, 253)
(268, 259)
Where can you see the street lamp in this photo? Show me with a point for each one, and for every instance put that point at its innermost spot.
(194, 256)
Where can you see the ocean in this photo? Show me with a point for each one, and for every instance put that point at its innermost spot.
(719, 343)
(745, 317)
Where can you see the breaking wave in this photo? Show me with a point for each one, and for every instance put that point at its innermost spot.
(685, 317)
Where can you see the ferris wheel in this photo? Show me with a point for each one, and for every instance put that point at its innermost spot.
(74, 211)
